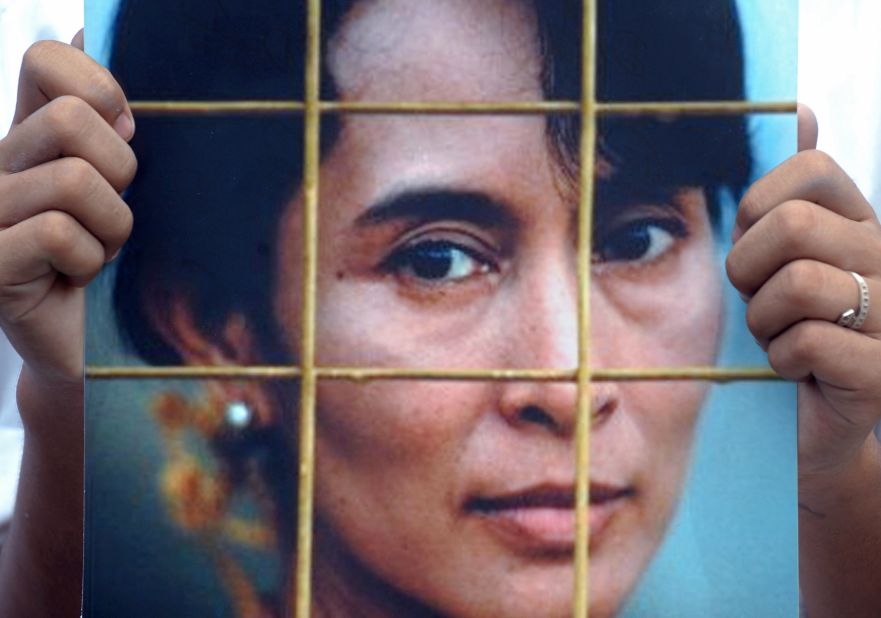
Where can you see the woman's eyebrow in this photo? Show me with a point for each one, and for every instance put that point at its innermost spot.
(614, 196)
(425, 205)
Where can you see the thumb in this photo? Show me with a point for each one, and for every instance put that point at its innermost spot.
(807, 128)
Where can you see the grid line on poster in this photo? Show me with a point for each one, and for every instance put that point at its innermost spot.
(586, 179)
(309, 373)
(301, 587)
(624, 108)
(364, 374)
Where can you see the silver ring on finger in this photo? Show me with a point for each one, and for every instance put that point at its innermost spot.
(855, 318)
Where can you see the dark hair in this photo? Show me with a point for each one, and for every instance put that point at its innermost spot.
(210, 190)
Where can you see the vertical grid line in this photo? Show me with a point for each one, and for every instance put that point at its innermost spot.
(585, 232)
(312, 126)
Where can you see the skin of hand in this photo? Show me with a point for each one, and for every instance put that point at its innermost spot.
(799, 230)
(63, 166)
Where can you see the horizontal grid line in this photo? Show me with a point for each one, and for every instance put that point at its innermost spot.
(627, 108)
(366, 374)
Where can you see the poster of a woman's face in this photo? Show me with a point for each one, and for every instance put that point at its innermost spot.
(446, 241)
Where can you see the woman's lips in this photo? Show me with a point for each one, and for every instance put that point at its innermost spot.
(541, 519)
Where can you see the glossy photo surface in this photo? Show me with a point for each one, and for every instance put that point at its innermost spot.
(446, 242)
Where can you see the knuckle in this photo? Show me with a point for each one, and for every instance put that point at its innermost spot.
(731, 267)
(67, 117)
(870, 238)
(93, 261)
(106, 92)
(799, 280)
(123, 223)
(734, 270)
(127, 169)
(754, 321)
(818, 165)
(796, 351)
(750, 208)
(88, 265)
(75, 179)
(776, 359)
(794, 224)
(779, 359)
(37, 55)
(58, 233)
(805, 342)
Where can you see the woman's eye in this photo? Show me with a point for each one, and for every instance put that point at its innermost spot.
(642, 240)
(436, 261)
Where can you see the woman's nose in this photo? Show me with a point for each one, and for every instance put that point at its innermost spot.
(545, 336)
(553, 406)
(542, 329)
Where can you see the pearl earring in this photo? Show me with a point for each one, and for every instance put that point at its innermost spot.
(238, 414)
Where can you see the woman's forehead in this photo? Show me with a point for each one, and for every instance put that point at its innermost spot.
(396, 50)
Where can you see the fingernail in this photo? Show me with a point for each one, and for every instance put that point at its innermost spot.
(124, 126)
(114, 256)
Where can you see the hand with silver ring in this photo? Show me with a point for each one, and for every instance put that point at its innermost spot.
(807, 257)
(855, 318)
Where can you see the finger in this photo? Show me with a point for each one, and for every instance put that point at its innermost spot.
(808, 130)
(800, 230)
(69, 127)
(811, 176)
(73, 186)
(806, 290)
(50, 241)
(51, 69)
(79, 40)
(842, 361)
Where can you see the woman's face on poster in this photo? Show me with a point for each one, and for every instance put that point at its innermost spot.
(450, 242)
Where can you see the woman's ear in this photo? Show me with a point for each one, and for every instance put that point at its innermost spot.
(233, 345)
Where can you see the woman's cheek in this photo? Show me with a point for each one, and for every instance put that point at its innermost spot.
(372, 323)
(669, 317)
(391, 464)
(393, 431)
(366, 419)
(669, 411)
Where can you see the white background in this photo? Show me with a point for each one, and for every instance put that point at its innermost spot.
(839, 76)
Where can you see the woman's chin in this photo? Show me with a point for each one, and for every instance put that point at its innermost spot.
(545, 593)
(611, 585)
